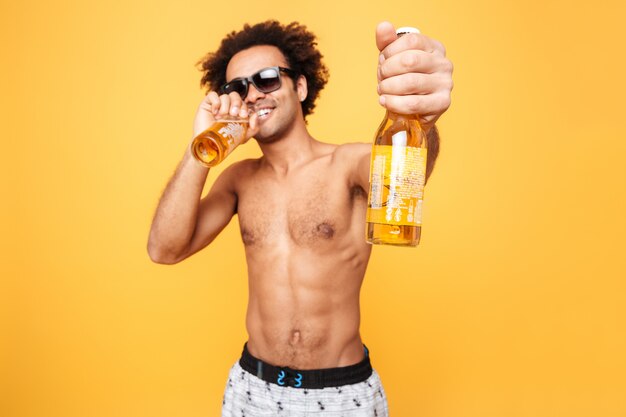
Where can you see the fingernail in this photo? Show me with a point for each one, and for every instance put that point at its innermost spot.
(381, 58)
(382, 100)
(378, 88)
(243, 113)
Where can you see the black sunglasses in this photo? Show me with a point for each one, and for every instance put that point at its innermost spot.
(266, 81)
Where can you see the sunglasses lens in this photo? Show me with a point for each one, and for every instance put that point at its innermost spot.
(267, 80)
(238, 86)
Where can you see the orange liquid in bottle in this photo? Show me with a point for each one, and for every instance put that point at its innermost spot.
(397, 178)
(214, 144)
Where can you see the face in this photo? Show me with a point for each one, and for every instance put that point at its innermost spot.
(277, 111)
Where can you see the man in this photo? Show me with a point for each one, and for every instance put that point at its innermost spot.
(301, 209)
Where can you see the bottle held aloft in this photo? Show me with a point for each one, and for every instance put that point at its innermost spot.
(397, 178)
(214, 144)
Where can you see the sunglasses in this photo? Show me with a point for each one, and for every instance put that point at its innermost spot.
(266, 81)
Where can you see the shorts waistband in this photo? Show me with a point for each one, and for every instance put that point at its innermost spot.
(309, 378)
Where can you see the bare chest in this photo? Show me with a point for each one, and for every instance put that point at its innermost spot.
(305, 211)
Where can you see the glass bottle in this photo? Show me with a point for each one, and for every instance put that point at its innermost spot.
(397, 177)
(214, 144)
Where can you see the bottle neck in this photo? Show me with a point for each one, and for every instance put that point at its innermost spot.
(398, 116)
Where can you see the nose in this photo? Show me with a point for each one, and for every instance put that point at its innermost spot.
(253, 94)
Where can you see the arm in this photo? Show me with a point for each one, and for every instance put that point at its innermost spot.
(433, 151)
(183, 224)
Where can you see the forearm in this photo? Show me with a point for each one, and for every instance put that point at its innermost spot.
(432, 138)
(175, 219)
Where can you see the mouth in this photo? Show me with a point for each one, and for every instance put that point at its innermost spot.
(264, 112)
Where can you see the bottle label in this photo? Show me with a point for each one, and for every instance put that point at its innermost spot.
(397, 177)
(233, 132)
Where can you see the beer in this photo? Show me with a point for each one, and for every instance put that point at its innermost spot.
(214, 144)
(397, 177)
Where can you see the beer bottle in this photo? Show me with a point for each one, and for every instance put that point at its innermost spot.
(397, 177)
(213, 145)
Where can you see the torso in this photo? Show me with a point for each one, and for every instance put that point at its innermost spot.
(306, 252)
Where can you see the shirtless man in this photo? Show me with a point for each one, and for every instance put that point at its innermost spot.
(301, 209)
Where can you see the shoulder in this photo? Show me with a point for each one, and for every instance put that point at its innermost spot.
(244, 166)
(354, 160)
(237, 171)
(352, 151)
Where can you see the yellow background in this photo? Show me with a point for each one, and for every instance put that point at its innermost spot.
(513, 305)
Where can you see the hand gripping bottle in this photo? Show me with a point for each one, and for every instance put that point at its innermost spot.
(397, 177)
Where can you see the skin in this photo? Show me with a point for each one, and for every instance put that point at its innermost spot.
(301, 207)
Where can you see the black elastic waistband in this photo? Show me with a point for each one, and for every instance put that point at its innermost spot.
(309, 378)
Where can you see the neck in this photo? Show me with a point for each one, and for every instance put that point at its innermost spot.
(289, 151)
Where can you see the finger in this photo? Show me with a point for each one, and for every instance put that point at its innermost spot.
(224, 105)
(205, 116)
(244, 112)
(424, 105)
(235, 103)
(413, 83)
(415, 41)
(213, 100)
(413, 61)
(385, 34)
(406, 62)
(439, 47)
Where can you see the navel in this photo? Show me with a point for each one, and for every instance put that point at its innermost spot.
(295, 337)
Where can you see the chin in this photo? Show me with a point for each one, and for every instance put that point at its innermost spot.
(266, 139)
(269, 136)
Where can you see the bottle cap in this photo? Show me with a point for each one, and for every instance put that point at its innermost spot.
(406, 29)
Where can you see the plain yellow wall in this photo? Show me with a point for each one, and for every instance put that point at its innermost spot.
(513, 305)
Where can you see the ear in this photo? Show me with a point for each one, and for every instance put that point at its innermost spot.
(302, 88)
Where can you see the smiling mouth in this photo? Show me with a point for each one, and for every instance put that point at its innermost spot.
(264, 113)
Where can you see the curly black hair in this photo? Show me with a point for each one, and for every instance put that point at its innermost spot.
(296, 43)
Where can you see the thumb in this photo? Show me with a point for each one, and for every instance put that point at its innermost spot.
(253, 127)
(385, 34)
